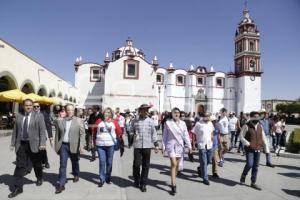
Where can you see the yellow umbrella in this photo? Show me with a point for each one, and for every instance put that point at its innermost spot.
(33, 97)
(48, 100)
(15, 95)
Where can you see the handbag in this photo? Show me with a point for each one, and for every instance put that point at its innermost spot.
(115, 141)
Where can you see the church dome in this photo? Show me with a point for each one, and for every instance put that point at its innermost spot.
(127, 50)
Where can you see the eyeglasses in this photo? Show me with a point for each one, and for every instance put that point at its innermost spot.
(36, 106)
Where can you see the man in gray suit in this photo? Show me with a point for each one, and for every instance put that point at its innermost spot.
(69, 142)
(28, 139)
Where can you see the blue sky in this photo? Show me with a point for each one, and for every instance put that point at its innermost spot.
(184, 32)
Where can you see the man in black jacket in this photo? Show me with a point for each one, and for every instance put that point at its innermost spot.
(37, 108)
(97, 113)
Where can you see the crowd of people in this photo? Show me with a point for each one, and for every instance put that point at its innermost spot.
(103, 131)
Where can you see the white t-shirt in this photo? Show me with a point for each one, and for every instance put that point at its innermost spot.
(224, 123)
(155, 119)
(278, 127)
(103, 138)
(232, 123)
(203, 132)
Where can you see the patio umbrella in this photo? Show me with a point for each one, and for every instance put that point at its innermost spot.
(15, 95)
(33, 97)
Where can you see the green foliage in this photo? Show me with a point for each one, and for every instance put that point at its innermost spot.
(294, 141)
(288, 108)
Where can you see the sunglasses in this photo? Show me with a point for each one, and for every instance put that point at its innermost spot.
(36, 106)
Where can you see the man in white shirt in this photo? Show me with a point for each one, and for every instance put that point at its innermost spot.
(204, 134)
(224, 130)
(232, 129)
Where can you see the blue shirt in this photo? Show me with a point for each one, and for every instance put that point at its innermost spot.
(265, 123)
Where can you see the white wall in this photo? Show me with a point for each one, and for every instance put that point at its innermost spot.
(130, 93)
(90, 93)
(23, 69)
(249, 95)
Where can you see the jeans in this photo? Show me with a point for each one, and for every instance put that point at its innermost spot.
(130, 138)
(241, 147)
(141, 157)
(64, 154)
(268, 155)
(252, 162)
(274, 142)
(106, 154)
(204, 158)
(278, 139)
(233, 135)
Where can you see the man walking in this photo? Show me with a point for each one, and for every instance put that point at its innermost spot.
(144, 137)
(97, 114)
(224, 143)
(28, 139)
(265, 123)
(37, 108)
(69, 142)
(254, 139)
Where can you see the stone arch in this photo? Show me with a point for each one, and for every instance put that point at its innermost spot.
(66, 97)
(52, 93)
(27, 87)
(42, 91)
(7, 82)
(60, 95)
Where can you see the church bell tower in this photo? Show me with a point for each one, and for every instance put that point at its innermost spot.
(247, 64)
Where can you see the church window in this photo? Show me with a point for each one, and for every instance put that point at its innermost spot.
(220, 82)
(180, 79)
(159, 78)
(131, 69)
(95, 74)
(200, 81)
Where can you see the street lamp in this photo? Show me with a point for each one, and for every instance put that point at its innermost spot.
(159, 90)
(39, 74)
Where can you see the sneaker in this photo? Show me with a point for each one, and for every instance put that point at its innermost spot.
(253, 185)
(221, 163)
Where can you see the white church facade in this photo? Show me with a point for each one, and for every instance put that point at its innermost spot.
(126, 79)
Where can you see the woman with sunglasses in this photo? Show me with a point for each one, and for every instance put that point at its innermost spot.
(174, 137)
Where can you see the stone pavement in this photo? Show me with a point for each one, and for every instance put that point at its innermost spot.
(282, 182)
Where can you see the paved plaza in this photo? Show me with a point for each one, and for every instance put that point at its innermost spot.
(282, 182)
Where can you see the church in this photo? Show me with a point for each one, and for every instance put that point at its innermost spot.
(127, 79)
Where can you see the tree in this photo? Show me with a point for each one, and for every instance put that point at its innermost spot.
(288, 108)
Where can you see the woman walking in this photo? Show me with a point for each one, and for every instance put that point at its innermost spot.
(174, 136)
(108, 131)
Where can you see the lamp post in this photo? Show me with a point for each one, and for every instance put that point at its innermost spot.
(159, 90)
(40, 70)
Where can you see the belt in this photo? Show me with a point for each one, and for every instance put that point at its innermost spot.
(24, 141)
(65, 142)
